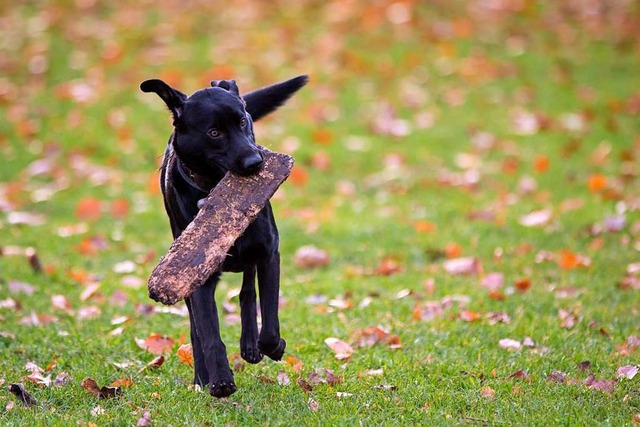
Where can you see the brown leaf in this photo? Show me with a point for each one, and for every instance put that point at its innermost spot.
(154, 364)
(22, 394)
(388, 266)
(104, 392)
(332, 379)
(304, 385)
(556, 377)
(520, 375)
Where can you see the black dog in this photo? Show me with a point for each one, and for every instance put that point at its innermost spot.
(213, 134)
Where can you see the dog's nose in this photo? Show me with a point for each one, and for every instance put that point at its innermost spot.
(252, 163)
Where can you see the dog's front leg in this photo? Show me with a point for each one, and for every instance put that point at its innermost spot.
(248, 313)
(269, 341)
(201, 376)
(205, 316)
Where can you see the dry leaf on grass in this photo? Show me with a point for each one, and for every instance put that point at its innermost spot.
(22, 394)
(341, 349)
(104, 392)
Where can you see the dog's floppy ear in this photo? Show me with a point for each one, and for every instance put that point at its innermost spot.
(228, 85)
(172, 97)
(266, 100)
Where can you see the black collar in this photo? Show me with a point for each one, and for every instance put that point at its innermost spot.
(195, 180)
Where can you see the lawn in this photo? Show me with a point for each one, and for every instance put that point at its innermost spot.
(466, 176)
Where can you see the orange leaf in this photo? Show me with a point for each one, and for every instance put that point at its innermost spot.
(120, 208)
(155, 343)
(323, 136)
(522, 285)
(470, 316)
(541, 164)
(89, 209)
(122, 383)
(568, 260)
(453, 250)
(299, 176)
(295, 363)
(388, 266)
(153, 184)
(423, 226)
(597, 183)
(185, 354)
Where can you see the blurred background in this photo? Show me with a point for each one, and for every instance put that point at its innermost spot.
(456, 161)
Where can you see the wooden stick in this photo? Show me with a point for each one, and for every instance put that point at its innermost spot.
(226, 212)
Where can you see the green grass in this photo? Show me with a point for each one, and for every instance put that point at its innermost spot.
(470, 69)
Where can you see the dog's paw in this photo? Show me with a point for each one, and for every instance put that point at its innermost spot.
(274, 352)
(222, 388)
(251, 355)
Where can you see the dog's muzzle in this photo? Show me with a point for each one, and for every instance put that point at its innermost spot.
(251, 164)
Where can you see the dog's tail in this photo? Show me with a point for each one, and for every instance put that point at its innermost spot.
(263, 101)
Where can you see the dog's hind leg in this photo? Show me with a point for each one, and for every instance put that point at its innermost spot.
(270, 343)
(205, 316)
(248, 312)
(201, 376)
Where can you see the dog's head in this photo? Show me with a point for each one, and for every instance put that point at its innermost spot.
(214, 126)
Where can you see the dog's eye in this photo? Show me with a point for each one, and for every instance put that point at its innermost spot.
(243, 122)
(214, 133)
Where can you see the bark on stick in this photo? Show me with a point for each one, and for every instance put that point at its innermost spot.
(227, 211)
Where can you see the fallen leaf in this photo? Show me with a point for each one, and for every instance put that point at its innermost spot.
(185, 354)
(341, 349)
(388, 266)
(121, 383)
(104, 392)
(567, 319)
(62, 379)
(606, 386)
(556, 377)
(510, 344)
(522, 285)
(22, 394)
(311, 257)
(89, 209)
(487, 392)
(144, 420)
(520, 375)
(537, 218)
(463, 266)
(304, 385)
(282, 378)
(332, 378)
(386, 387)
(313, 405)
(627, 371)
(154, 364)
(155, 343)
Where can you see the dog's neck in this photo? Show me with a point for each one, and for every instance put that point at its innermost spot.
(198, 181)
